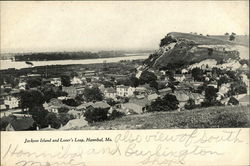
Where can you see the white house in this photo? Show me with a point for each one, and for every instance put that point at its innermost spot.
(22, 85)
(76, 80)
(124, 91)
(11, 102)
(56, 81)
(110, 93)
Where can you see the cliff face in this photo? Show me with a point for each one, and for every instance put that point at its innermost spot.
(182, 49)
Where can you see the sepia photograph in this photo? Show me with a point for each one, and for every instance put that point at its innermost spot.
(106, 65)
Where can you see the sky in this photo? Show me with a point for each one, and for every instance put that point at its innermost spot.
(123, 25)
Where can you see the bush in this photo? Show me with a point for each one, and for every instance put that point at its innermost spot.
(168, 103)
(190, 104)
(96, 115)
(233, 101)
(53, 120)
(115, 114)
(167, 40)
(230, 119)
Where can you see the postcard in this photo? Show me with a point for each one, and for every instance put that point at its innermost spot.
(96, 83)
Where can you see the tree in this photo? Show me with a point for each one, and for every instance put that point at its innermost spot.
(168, 103)
(63, 110)
(111, 102)
(93, 94)
(52, 120)
(31, 98)
(223, 80)
(233, 101)
(153, 84)
(71, 102)
(38, 114)
(34, 82)
(237, 88)
(134, 81)
(226, 34)
(232, 36)
(244, 61)
(146, 77)
(167, 40)
(190, 104)
(96, 115)
(64, 118)
(210, 97)
(197, 73)
(65, 79)
(108, 84)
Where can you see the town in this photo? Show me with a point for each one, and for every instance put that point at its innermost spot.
(72, 97)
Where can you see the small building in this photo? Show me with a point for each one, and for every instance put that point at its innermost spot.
(99, 104)
(124, 91)
(54, 105)
(83, 106)
(71, 90)
(56, 81)
(75, 81)
(21, 125)
(110, 93)
(132, 108)
(22, 85)
(11, 102)
(182, 98)
(165, 91)
(75, 124)
(75, 113)
(198, 98)
(179, 77)
(244, 101)
(153, 97)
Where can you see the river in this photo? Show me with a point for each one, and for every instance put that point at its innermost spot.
(5, 64)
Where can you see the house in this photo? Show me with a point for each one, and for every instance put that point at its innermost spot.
(124, 91)
(179, 77)
(75, 124)
(22, 85)
(83, 106)
(54, 105)
(153, 97)
(11, 101)
(76, 114)
(131, 108)
(89, 73)
(198, 98)
(56, 81)
(6, 86)
(189, 78)
(165, 91)
(182, 98)
(80, 89)
(2, 105)
(242, 98)
(99, 104)
(75, 81)
(71, 90)
(110, 93)
(244, 101)
(144, 102)
(21, 125)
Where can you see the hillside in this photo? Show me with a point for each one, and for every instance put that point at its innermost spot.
(183, 49)
(212, 117)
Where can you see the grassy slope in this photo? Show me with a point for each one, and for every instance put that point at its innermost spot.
(213, 117)
(211, 40)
